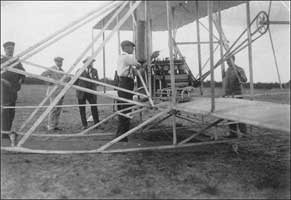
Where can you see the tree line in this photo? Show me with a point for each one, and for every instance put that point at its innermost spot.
(258, 85)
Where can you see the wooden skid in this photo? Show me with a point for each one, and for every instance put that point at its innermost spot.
(70, 135)
(162, 147)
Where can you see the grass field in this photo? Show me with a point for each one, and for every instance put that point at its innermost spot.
(261, 169)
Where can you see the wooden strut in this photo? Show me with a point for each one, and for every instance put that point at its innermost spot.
(63, 78)
(170, 128)
(157, 122)
(67, 135)
(186, 118)
(145, 88)
(210, 21)
(126, 150)
(148, 48)
(201, 131)
(67, 106)
(106, 119)
(87, 79)
(229, 50)
(51, 36)
(69, 71)
(221, 46)
(83, 133)
(208, 30)
(195, 118)
(96, 12)
(250, 49)
(199, 46)
(202, 42)
(170, 44)
(275, 58)
(162, 147)
(107, 145)
(84, 89)
(104, 58)
(206, 62)
(181, 55)
(68, 85)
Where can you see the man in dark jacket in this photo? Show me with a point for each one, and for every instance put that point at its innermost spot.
(10, 85)
(90, 73)
(234, 77)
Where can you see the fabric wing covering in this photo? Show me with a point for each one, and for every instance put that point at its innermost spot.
(184, 13)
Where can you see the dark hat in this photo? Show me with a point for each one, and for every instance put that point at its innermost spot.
(126, 43)
(9, 43)
(58, 58)
(88, 59)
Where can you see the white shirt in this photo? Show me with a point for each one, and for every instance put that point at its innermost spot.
(124, 62)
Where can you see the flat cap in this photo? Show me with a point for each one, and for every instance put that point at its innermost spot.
(58, 58)
(126, 43)
(85, 60)
(9, 43)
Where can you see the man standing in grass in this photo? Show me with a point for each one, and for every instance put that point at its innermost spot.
(234, 77)
(10, 85)
(89, 73)
(54, 115)
(125, 70)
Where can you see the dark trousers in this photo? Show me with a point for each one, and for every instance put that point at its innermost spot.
(7, 116)
(234, 128)
(124, 122)
(92, 99)
(8, 98)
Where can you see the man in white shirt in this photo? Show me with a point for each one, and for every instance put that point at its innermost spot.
(54, 115)
(126, 65)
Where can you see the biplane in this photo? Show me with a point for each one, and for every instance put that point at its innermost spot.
(165, 86)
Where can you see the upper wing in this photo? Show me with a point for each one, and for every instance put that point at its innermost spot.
(184, 13)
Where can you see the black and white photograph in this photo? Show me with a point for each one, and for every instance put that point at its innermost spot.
(145, 99)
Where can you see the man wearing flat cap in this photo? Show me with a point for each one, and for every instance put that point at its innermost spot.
(126, 65)
(54, 115)
(90, 73)
(10, 85)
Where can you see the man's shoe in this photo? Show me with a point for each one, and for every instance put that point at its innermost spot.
(85, 127)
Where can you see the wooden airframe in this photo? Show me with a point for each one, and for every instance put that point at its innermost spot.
(117, 18)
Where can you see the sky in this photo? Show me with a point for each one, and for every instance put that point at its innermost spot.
(28, 22)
